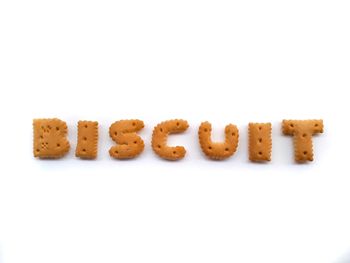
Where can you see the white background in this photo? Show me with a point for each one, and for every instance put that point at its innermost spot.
(221, 61)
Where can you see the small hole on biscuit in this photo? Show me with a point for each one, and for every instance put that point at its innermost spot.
(85, 126)
(177, 124)
(161, 130)
(84, 138)
(205, 129)
(291, 125)
(58, 145)
(116, 152)
(49, 127)
(316, 125)
(260, 128)
(57, 128)
(174, 152)
(304, 135)
(84, 150)
(115, 133)
(159, 146)
(226, 149)
(209, 148)
(37, 150)
(233, 134)
(133, 124)
(41, 137)
(260, 140)
(305, 152)
(135, 142)
(260, 153)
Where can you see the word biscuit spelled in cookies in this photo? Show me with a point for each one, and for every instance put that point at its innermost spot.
(50, 139)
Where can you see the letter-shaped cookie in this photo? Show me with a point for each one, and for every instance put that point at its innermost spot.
(87, 139)
(160, 135)
(260, 142)
(216, 150)
(50, 138)
(302, 131)
(123, 132)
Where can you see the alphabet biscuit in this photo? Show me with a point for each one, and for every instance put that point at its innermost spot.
(50, 140)
(87, 140)
(216, 150)
(260, 142)
(302, 132)
(160, 135)
(130, 144)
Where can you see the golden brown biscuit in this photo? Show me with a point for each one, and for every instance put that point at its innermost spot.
(216, 150)
(160, 135)
(302, 131)
(87, 140)
(260, 142)
(123, 132)
(50, 138)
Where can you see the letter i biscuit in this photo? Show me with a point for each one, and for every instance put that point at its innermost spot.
(260, 142)
(87, 140)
